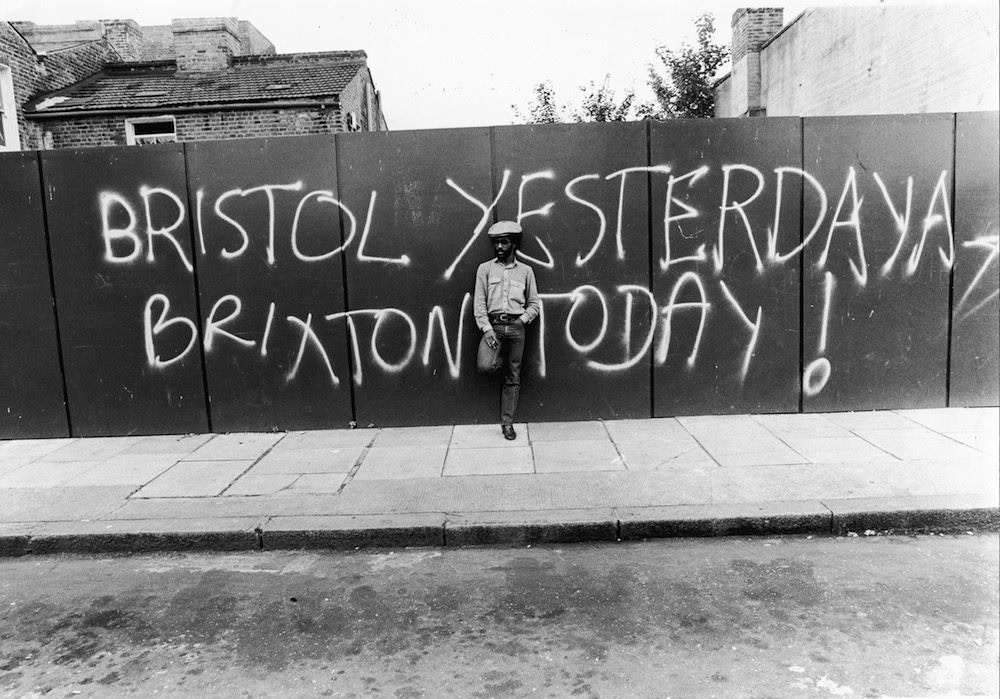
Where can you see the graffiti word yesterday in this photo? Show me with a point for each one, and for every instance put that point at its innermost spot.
(130, 231)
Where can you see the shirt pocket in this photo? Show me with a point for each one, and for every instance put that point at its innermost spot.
(517, 290)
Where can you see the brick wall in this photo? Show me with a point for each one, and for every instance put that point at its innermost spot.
(86, 132)
(752, 26)
(33, 74)
(157, 43)
(20, 59)
(881, 60)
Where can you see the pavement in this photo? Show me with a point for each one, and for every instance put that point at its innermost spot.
(851, 473)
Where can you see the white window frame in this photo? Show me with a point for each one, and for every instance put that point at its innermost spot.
(133, 139)
(8, 111)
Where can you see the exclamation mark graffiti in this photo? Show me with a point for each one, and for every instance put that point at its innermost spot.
(816, 375)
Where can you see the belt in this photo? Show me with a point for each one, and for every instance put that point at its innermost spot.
(503, 318)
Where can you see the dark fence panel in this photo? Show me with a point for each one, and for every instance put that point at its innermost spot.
(725, 267)
(686, 267)
(122, 261)
(422, 201)
(31, 390)
(878, 268)
(975, 338)
(270, 273)
(581, 194)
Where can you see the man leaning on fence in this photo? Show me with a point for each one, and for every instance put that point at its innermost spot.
(505, 302)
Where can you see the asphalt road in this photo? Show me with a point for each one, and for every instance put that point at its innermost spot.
(791, 617)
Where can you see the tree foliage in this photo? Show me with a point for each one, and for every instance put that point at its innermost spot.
(685, 90)
(599, 104)
(542, 109)
(681, 85)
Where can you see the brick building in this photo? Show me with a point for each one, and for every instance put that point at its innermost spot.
(862, 60)
(25, 72)
(113, 82)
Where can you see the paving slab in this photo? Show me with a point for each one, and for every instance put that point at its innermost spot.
(194, 478)
(738, 440)
(438, 435)
(262, 484)
(948, 420)
(786, 425)
(845, 448)
(12, 463)
(764, 483)
(197, 508)
(60, 504)
(660, 430)
(126, 469)
(486, 461)
(317, 483)
(393, 463)
(588, 430)
(327, 439)
(559, 456)
(942, 477)
(478, 436)
(92, 448)
(33, 448)
(649, 457)
(45, 474)
(168, 444)
(287, 459)
(235, 446)
(920, 443)
(543, 491)
(985, 442)
(285, 484)
(869, 420)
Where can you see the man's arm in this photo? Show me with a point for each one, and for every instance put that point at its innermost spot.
(532, 301)
(479, 300)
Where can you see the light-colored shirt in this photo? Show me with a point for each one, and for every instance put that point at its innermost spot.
(505, 289)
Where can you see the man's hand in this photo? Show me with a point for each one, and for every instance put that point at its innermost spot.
(491, 339)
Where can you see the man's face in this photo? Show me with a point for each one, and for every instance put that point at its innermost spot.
(504, 248)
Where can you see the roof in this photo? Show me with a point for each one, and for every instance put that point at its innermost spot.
(159, 85)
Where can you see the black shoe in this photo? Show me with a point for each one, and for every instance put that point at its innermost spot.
(508, 432)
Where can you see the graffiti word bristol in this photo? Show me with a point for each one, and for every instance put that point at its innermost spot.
(125, 244)
(136, 228)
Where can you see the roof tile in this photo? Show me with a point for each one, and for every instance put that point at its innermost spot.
(161, 85)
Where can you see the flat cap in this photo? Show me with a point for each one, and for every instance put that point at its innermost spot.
(502, 228)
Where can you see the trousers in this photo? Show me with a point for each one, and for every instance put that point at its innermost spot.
(511, 337)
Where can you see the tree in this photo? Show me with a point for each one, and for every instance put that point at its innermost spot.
(686, 88)
(543, 108)
(598, 103)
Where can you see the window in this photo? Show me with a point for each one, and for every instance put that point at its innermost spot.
(9, 139)
(141, 132)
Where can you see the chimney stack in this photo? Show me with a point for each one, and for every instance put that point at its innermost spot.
(752, 27)
(205, 45)
(125, 36)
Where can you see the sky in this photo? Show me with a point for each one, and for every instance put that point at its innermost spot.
(453, 63)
